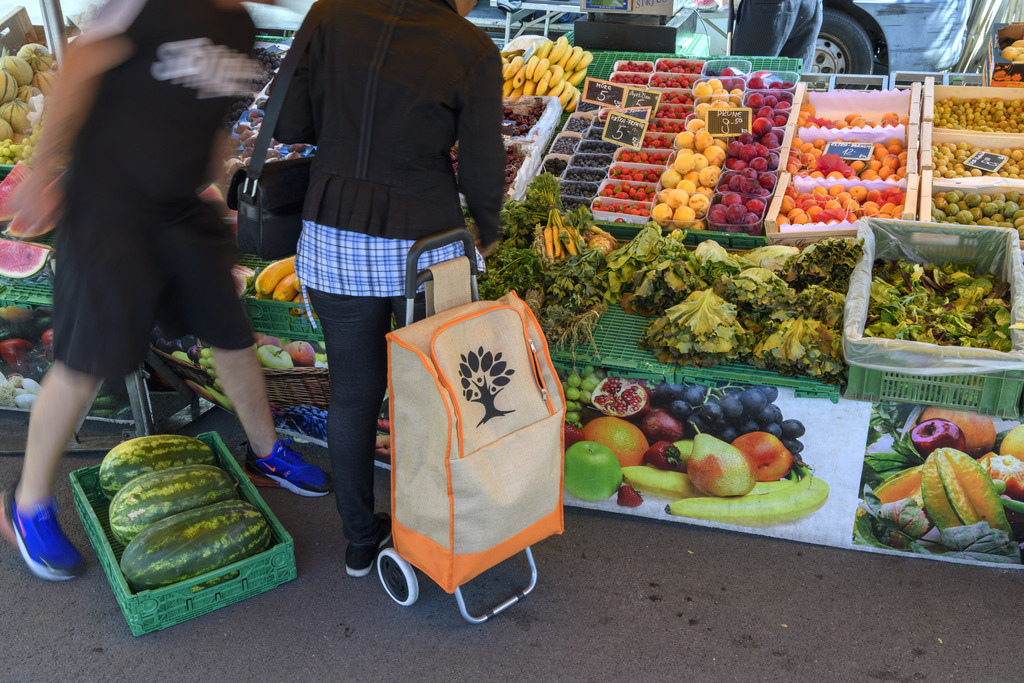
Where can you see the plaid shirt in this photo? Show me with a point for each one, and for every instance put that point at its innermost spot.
(342, 262)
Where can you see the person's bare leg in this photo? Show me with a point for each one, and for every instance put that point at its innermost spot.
(241, 375)
(62, 398)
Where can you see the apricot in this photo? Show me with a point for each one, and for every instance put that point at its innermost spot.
(809, 108)
(687, 185)
(819, 189)
(684, 214)
(869, 174)
(835, 175)
(787, 205)
(858, 192)
(700, 162)
(835, 189)
(661, 214)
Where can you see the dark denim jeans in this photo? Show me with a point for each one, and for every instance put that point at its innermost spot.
(354, 330)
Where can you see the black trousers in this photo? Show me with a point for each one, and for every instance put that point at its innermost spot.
(354, 330)
(778, 28)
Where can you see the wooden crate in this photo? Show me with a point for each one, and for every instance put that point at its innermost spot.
(991, 141)
(805, 237)
(930, 185)
(16, 29)
(934, 92)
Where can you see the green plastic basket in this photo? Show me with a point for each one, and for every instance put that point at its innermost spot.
(159, 608)
(617, 337)
(604, 61)
(276, 319)
(27, 293)
(995, 394)
(729, 240)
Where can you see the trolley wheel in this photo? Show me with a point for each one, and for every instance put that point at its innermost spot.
(398, 577)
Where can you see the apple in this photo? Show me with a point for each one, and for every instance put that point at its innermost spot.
(592, 472)
(1013, 443)
(181, 355)
(273, 357)
(770, 458)
(263, 340)
(302, 353)
(937, 433)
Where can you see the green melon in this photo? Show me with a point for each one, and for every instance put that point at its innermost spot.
(17, 67)
(145, 454)
(36, 56)
(191, 543)
(8, 87)
(27, 92)
(151, 497)
(44, 81)
(15, 113)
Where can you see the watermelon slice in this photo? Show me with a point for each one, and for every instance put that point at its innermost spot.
(13, 179)
(243, 277)
(51, 198)
(21, 259)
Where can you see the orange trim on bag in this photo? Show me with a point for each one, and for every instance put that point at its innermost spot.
(429, 365)
(449, 570)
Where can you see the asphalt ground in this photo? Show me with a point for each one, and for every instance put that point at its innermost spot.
(618, 597)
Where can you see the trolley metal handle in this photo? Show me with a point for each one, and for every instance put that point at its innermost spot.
(414, 280)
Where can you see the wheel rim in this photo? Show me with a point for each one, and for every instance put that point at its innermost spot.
(829, 57)
(393, 578)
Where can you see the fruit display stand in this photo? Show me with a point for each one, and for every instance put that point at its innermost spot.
(159, 608)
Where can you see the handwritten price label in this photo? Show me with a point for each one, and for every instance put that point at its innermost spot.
(622, 129)
(728, 122)
(603, 93)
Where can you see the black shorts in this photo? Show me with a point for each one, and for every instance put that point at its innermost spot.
(121, 270)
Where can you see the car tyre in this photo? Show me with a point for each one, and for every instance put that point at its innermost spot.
(843, 45)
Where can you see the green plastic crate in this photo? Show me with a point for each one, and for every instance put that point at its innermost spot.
(604, 61)
(996, 394)
(729, 240)
(28, 292)
(616, 348)
(275, 318)
(617, 338)
(159, 608)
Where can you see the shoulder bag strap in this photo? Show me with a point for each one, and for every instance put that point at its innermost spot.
(276, 100)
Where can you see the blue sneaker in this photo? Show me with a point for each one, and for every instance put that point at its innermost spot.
(44, 547)
(286, 466)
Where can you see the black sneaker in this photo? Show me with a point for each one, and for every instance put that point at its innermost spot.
(359, 558)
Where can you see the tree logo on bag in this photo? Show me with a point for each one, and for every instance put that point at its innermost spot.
(484, 375)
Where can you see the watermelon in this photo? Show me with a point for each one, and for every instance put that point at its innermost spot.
(149, 498)
(191, 543)
(13, 179)
(50, 200)
(144, 454)
(21, 259)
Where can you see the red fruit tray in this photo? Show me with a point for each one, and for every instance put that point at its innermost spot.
(631, 66)
(675, 96)
(620, 210)
(749, 215)
(669, 125)
(653, 157)
(625, 189)
(644, 173)
(679, 66)
(629, 78)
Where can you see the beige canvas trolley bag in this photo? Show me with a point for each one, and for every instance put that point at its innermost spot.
(477, 416)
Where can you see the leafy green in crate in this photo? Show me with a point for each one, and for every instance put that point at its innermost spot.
(948, 305)
(703, 330)
(828, 263)
(520, 219)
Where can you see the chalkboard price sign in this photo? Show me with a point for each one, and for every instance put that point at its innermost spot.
(728, 122)
(986, 162)
(851, 151)
(641, 97)
(604, 93)
(622, 129)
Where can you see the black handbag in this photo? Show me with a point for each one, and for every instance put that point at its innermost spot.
(269, 196)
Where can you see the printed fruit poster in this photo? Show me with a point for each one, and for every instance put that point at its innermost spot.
(942, 483)
(751, 458)
(930, 483)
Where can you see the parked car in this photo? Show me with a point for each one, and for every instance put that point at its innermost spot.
(861, 36)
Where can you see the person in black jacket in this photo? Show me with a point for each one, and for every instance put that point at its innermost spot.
(778, 28)
(385, 90)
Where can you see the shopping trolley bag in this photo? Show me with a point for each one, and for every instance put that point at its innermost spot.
(476, 413)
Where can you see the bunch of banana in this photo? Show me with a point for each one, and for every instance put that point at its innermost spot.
(554, 70)
(278, 281)
(780, 503)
